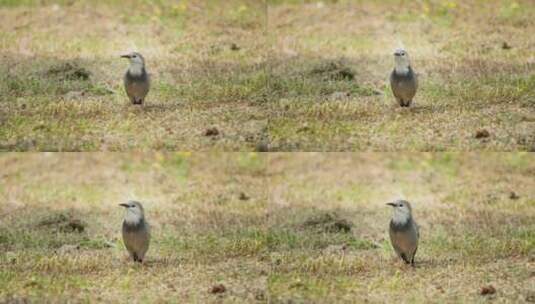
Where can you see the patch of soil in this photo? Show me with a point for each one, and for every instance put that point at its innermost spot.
(63, 222)
(333, 70)
(328, 222)
(69, 71)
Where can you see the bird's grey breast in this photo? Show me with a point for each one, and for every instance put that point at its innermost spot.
(140, 226)
(403, 79)
(136, 77)
(402, 227)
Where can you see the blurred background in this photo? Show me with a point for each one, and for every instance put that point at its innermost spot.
(328, 219)
(60, 226)
(61, 75)
(330, 62)
(282, 227)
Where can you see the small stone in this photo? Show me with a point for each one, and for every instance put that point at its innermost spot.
(483, 133)
(487, 290)
(234, 47)
(211, 132)
(218, 288)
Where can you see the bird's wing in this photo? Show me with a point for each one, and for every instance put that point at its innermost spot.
(128, 241)
(395, 244)
(394, 86)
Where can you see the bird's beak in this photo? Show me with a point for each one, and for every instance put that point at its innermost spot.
(396, 54)
(125, 56)
(124, 205)
(391, 204)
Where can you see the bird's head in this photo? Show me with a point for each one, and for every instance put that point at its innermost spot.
(401, 58)
(135, 58)
(402, 210)
(134, 211)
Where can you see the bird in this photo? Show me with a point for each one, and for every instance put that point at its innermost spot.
(404, 232)
(136, 78)
(136, 231)
(403, 79)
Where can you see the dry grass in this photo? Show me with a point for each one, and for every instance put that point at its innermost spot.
(203, 233)
(61, 75)
(296, 75)
(469, 81)
(277, 228)
(473, 232)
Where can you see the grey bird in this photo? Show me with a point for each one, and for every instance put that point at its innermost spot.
(136, 78)
(136, 231)
(404, 232)
(403, 80)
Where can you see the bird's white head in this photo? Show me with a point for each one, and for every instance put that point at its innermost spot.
(401, 58)
(402, 211)
(134, 212)
(137, 62)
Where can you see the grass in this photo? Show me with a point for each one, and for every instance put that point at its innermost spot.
(474, 231)
(279, 76)
(62, 81)
(272, 228)
(475, 73)
(203, 231)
